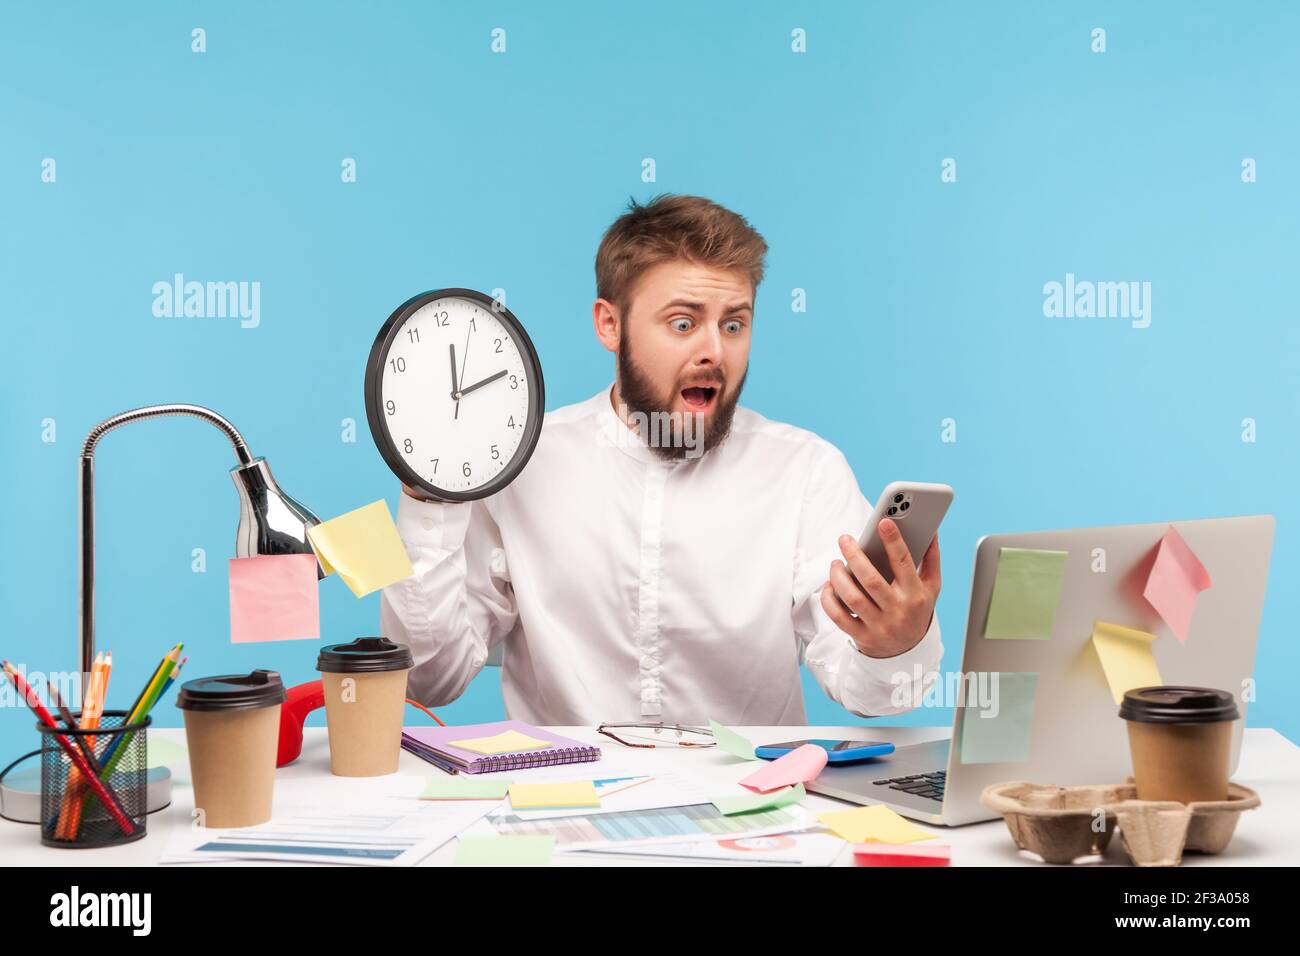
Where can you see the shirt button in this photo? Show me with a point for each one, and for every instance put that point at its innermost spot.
(647, 662)
(426, 524)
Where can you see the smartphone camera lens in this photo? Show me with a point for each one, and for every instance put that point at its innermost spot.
(898, 498)
(893, 510)
(904, 506)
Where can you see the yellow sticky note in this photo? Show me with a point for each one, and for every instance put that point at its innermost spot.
(508, 742)
(1126, 657)
(552, 796)
(363, 546)
(877, 823)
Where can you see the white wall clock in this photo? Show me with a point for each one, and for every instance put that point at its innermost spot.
(454, 394)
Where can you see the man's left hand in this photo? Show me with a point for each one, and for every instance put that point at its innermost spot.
(883, 618)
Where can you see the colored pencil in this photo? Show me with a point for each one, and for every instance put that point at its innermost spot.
(74, 797)
(144, 703)
(152, 677)
(71, 724)
(153, 690)
(105, 795)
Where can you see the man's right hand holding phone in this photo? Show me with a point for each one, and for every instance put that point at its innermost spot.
(883, 618)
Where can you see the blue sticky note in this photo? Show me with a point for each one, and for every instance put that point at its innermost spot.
(997, 730)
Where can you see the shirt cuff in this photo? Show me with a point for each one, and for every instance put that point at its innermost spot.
(925, 652)
(440, 525)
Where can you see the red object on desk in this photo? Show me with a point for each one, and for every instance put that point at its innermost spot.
(905, 854)
(302, 700)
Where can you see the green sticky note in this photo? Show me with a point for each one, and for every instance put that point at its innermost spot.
(997, 730)
(504, 851)
(731, 742)
(165, 753)
(729, 806)
(464, 788)
(1025, 594)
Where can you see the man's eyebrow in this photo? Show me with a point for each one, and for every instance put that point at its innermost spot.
(692, 304)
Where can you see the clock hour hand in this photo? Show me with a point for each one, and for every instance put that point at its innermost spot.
(491, 378)
(454, 388)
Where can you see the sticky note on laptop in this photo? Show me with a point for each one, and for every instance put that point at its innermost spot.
(1025, 594)
(1176, 577)
(506, 742)
(274, 597)
(997, 730)
(1126, 657)
(554, 796)
(363, 546)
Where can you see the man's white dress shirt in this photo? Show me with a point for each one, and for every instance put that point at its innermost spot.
(627, 588)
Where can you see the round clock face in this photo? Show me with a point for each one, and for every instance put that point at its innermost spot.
(454, 394)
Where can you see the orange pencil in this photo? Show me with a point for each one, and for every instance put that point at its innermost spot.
(91, 713)
(91, 722)
(72, 790)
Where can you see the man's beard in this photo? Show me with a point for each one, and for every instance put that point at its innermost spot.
(670, 437)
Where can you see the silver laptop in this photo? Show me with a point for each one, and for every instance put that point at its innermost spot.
(1076, 736)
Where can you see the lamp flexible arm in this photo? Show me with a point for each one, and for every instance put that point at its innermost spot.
(160, 411)
(87, 495)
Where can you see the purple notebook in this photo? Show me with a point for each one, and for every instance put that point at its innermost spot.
(433, 744)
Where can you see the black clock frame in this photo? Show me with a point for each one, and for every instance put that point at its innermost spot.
(374, 397)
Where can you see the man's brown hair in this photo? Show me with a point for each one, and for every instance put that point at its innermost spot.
(674, 227)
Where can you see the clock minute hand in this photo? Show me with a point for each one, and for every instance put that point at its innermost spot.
(491, 378)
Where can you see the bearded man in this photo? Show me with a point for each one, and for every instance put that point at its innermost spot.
(667, 555)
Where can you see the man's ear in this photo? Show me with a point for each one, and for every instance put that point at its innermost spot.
(606, 321)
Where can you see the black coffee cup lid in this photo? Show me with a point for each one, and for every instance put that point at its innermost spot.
(232, 692)
(365, 655)
(1178, 705)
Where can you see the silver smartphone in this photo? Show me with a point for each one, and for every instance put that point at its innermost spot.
(917, 507)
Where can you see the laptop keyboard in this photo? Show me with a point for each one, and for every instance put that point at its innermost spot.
(920, 784)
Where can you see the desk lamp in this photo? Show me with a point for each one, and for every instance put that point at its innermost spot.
(270, 522)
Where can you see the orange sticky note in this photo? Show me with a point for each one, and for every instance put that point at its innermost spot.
(274, 597)
(1175, 579)
(798, 766)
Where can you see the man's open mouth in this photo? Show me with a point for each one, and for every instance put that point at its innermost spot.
(699, 397)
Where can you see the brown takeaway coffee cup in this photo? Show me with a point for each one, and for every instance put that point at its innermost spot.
(365, 696)
(1180, 739)
(232, 728)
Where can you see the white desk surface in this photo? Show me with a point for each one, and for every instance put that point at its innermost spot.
(1268, 836)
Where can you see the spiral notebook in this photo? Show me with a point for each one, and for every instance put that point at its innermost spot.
(435, 744)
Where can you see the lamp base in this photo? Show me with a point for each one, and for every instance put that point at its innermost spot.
(20, 793)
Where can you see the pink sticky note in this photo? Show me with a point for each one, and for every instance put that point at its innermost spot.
(798, 766)
(905, 854)
(274, 598)
(1175, 579)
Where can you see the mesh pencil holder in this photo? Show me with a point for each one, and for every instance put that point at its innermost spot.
(74, 812)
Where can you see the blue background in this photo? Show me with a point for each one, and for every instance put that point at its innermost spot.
(924, 298)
